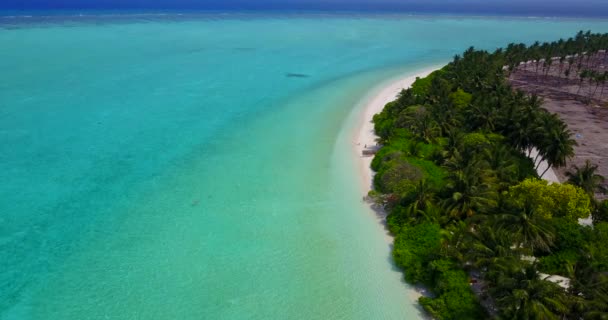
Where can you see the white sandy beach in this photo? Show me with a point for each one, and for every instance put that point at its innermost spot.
(364, 135)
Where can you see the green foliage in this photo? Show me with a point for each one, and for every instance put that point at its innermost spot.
(521, 294)
(397, 170)
(383, 122)
(559, 262)
(598, 247)
(461, 99)
(416, 246)
(587, 178)
(463, 196)
(475, 142)
(600, 212)
(397, 176)
(421, 86)
(570, 238)
(552, 200)
(433, 174)
(397, 219)
(454, 299)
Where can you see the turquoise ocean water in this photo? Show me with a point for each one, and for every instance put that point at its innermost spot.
(200, 166)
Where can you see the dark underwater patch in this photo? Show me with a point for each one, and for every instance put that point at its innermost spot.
(297, 75)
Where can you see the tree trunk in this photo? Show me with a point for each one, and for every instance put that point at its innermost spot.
(538, 164)
(536, 158)
(597, 84)
(548, 167)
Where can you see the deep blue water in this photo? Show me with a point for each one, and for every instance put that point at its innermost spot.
(542, 8)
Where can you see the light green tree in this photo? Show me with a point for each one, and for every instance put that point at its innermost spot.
(549, 200)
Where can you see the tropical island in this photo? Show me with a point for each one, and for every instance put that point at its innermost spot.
(460, 170)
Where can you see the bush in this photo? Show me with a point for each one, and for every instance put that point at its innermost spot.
(433, 174)
(552, 200)
(600, 212)
(415, 246)
(397, 177)
(598, 247)
(569, 235)
(460, 99)
(454, 300)
(558, 263)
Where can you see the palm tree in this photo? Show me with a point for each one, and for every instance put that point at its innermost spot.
(582, 76)
(562, 60)
(589, 291)
(523, 295)
(487, 246)
(529, 229)
(547, 65)
(556, 145)
(471, 190)
(587, 178)
(501, 161)
(482, 116)
(421, 198)
(603, 80)
(419, 121)
(594, 76)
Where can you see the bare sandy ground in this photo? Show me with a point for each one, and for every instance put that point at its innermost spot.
(588, 120)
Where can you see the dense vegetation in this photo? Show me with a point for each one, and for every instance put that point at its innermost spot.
(471, 218)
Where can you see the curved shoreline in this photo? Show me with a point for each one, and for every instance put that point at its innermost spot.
(363, 136)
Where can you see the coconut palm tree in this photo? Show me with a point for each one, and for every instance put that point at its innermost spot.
(589, 291)
(421, 198)
(486, 246)
(419, 121)
(523, 295)
(603, 80)
(471, 191)
(556, 145)
(587, 178)
(501, 160)
(584, 74)
(562, 60)
(529, 229)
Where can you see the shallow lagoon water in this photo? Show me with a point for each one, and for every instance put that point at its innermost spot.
(200, 166)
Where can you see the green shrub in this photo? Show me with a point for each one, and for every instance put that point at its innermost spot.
(600, 212)
(415, 246)
(558, 263)
(569, 235)
(552, 200)
(460, 99)
(433, 173)
(454, 299)
(397, 176)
